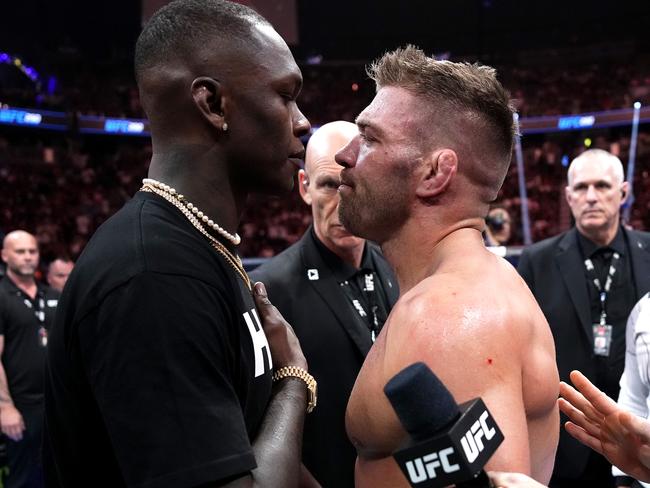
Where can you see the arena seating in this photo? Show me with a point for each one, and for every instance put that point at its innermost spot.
(62, 186)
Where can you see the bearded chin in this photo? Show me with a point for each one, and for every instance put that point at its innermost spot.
(377, 218)
(349, 217)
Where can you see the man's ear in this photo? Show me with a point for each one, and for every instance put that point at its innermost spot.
(625, 186)
(208, 98)
(303, 186)
(439, 169)
(568, 194)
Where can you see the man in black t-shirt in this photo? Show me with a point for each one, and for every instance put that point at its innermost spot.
(165, 367)
(26, 312)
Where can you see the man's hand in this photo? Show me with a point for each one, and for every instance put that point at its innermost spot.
(285, 348)
(12, 422)
(598, 422)
(513, 480)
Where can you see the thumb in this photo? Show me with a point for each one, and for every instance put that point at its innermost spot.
(261, 297)
(264, 306)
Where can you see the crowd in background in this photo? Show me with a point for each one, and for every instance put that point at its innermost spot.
(62, 186)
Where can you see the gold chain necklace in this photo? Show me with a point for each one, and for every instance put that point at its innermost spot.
(232, 259)
(203, 218)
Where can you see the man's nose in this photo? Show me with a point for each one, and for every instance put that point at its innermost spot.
(591, 193)
(301, 125)
(347, 156)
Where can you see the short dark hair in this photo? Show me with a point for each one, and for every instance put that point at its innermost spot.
(182, 27)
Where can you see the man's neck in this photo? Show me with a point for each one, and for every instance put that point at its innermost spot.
(212, 194)
(350, 255)
(601, 237)
(418, 250)
(25, 283)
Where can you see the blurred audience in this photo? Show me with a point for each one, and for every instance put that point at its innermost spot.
(64, 185)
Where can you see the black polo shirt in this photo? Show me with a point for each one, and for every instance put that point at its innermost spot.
(619, 304)
(156, 377)
(362, 287)
(24, 323)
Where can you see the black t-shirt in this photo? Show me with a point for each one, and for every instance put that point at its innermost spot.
(153, 378)
(24, 323)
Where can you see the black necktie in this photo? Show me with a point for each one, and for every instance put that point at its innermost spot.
(602, 258)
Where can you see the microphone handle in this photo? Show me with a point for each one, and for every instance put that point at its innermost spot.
(481, 480)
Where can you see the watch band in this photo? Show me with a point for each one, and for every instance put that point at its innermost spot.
(300, 373)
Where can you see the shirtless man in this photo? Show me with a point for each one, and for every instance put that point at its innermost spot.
(432, 153)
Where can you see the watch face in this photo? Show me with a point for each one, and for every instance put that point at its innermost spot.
(313, 397)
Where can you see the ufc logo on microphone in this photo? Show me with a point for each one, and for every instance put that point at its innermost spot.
(472, 441)
(424, 468)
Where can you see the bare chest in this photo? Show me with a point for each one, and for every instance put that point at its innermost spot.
(372, 425)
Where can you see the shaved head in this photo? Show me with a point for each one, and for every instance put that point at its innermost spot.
(17, 238)
(596, 157)
(326, 142)
(20, 253)
(318, 184)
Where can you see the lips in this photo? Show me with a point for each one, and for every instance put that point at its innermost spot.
(345, 181)
(297, 158)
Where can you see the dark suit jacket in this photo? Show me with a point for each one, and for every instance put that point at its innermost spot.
(555, 272)
(335, 342)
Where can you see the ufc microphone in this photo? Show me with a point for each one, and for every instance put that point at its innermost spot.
(450, 444)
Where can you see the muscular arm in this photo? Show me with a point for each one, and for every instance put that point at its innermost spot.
(10, 418)
(278, 445)
(475, 355)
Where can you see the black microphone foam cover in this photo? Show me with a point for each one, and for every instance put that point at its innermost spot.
(424, 405)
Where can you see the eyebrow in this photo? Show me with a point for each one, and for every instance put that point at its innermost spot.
(364, 124)
(328, 178)
(595, 183)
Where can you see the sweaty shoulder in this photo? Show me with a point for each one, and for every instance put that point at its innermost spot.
(478, 320)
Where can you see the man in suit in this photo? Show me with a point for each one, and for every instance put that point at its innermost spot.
(586, 281)
(336, 290)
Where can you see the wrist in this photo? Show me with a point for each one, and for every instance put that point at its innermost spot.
(301, 374)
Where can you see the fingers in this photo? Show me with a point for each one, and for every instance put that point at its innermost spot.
(260, 295)
(583, 436)
(284, 345)
(14, 432)
(574, 403)
(597, 398)
(269, 314)
(590, 424)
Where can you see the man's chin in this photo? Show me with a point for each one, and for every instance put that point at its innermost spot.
(274, 188)
(592, 223)
(347, 241)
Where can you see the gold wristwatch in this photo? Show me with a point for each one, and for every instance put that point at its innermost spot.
(297, 372)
